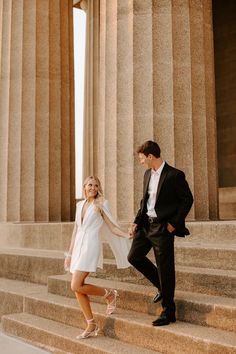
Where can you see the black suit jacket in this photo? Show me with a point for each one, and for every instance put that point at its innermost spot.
(173, 200)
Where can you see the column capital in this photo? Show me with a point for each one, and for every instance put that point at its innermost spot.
(81, 4)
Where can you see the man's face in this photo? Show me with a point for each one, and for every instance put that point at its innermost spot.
(145, 160)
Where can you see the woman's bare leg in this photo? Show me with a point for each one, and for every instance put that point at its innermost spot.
(82, 291)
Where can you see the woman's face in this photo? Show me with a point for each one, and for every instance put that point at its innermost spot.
(91, 189)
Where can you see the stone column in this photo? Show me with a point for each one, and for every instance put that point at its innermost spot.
(91, 124)
(156, 82)
(36, 114)
(142, 86)
(6, 9)
(114, 149)
(184, 96)
(91, 86)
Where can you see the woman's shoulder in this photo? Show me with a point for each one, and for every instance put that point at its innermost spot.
(105, 203)
(79, 202)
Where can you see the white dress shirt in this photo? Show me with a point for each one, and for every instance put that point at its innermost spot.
(152, 190)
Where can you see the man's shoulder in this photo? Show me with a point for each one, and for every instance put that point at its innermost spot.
(173, 169)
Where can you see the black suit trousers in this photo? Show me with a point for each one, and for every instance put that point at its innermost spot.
(162, 275)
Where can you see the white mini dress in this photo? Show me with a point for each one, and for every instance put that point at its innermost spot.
(87, 252)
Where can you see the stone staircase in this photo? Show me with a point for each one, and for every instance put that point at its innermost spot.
(37, 304)
(227, 203)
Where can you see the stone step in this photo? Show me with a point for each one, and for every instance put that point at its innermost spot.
(32, 265)
(227, 202)
(201, 309)
(12, 293)
(218, 312)
(39, 330)
(125, 324)
(57, 236)
(212, 231)
(206, 281)
(207, 231)
(41, 235)
(134, 328)
(202, 280)
(197, 254)
(37, 265)
(206, 255)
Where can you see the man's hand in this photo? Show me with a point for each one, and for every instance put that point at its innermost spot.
(170, 228)
(132, 230)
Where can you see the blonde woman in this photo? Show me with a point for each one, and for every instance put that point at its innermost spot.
(93, 217)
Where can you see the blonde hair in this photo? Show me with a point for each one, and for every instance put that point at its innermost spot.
(98, 200)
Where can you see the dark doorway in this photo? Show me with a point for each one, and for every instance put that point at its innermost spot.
(224, 21)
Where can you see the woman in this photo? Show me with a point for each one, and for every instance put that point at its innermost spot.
(84, 256)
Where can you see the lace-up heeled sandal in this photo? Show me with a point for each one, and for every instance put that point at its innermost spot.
(89, 333)
(111, 302)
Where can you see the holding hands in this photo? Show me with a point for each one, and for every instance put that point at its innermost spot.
(67, 261)
(132, 230)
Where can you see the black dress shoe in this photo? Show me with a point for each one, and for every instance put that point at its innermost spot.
(157, 297)
(164, 319)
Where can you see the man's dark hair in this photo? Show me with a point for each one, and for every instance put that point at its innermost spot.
(150, 147)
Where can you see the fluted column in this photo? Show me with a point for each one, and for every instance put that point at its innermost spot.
(27, 158)
(156, 81)
(184, 97)
(4, 103)
(36, 121)
(142, 87)
(125, 110)
(91, 85)
(110, 122)
(114, 125)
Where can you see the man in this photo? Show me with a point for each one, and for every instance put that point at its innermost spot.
(166, 202)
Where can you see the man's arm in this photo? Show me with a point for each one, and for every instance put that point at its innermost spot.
(185, 199)
(138, 217)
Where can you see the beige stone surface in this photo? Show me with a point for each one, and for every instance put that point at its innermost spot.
(201, 309)
(162, 53)
(125, 126)
(92, 137)
(142, 87)
(153, 80)
(12, 345)
(36, 121)
(49, 316)
(174, 338)
(14, 123)
(150, 75)
(4, 103)
(27, 173)
(227, 201)
(54, 236)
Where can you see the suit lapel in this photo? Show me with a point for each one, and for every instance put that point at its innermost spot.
(162, 178)
(146, 182)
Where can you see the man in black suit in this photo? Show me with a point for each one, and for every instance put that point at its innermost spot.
(166, 202)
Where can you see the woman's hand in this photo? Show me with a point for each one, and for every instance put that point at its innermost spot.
(132, 230)
(67, 261)
(127, 235)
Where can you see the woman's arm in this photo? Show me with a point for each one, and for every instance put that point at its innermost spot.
(113, 228)
(69, 253)
(72, 240)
